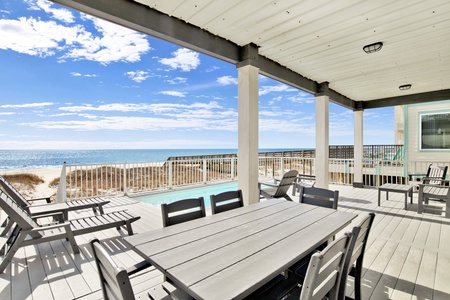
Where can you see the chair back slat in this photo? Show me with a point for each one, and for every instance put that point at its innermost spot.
(114, 281)
(17, 214)
(323, 276)
(357, 247)
(226, 201)
(182, 211)
(435, 174)
(319, 197)
(285, 183)
(14, 193)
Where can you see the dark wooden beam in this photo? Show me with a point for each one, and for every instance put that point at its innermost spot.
(407, 99)
(142, 18)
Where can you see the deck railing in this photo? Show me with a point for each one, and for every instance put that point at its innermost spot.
(79, 181)
(129, 178)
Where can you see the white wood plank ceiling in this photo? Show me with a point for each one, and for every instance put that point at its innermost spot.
(323, 39)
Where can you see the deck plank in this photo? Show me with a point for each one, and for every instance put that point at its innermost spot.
(426, 276)
(407, 255)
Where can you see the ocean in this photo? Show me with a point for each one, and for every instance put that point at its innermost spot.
(34, 159)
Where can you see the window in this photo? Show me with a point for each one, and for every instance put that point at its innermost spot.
(435, 131)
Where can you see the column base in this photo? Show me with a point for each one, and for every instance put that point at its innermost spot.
(358, 184)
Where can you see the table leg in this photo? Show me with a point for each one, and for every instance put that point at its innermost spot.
(379, 196)
(406, 201)
(447, 208)
(387, 195)
(420, 203)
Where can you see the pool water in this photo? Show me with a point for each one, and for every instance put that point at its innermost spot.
(201, 191)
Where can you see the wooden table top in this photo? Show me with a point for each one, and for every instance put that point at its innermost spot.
(391, 187)
(231, 254)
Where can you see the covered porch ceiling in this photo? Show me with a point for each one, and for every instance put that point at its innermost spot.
(316, 46)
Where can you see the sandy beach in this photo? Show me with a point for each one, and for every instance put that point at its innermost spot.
(43, 189)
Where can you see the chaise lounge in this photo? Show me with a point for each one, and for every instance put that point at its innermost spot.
(26, 231)
(42, 209)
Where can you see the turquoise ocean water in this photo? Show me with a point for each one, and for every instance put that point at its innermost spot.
(32, 159)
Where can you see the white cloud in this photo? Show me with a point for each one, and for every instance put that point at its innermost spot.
(177, 80)
(184, 59)
(174, 93)
(37, 37)
(137, 76)
(27, 105)
(227, 80)
(302, 97)
(30, 36)
(60, 14)
(76, 74)
(132, 107)
(7, 113)
(115, 43)
(212, 69)
(264, 90)
(158, 116)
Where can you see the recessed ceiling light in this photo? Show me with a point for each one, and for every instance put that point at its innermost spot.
(404, 87)
(375, 47)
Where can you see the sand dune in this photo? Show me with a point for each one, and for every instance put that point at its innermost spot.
(43, 189)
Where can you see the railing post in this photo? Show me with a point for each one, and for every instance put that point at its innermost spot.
(170, 183)
(204, 171)
(377, 174)
(232, 168)
(125, 178)
(282, 165)
(62, 186)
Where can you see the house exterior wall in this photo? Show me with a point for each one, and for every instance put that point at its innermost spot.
(412, 132)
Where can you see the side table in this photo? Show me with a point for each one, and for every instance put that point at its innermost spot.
(396, 188)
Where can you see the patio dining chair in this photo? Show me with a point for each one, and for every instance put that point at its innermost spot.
(226, 201)
(182, 210)
(322, 279)
(319, 197)
(25, 231)
(354, 261)
(131, 283)
(305, 180)
(94, 203)
(280, 188)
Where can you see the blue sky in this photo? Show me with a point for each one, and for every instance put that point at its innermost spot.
(71, 81)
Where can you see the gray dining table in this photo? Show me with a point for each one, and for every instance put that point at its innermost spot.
(231, 254)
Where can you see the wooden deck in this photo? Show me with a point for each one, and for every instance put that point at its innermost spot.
(408, 255)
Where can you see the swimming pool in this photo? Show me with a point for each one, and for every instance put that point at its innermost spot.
(200, 191)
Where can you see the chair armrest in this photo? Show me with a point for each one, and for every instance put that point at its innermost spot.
(268, 184)
(57, 215)
(427, 180)
(410, 176)
(142, 265)
(66, 225)
(442, 182)
(47, 199)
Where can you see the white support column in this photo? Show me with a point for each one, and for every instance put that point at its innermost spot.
(322, 141)
(358, 148)
(248, 133)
